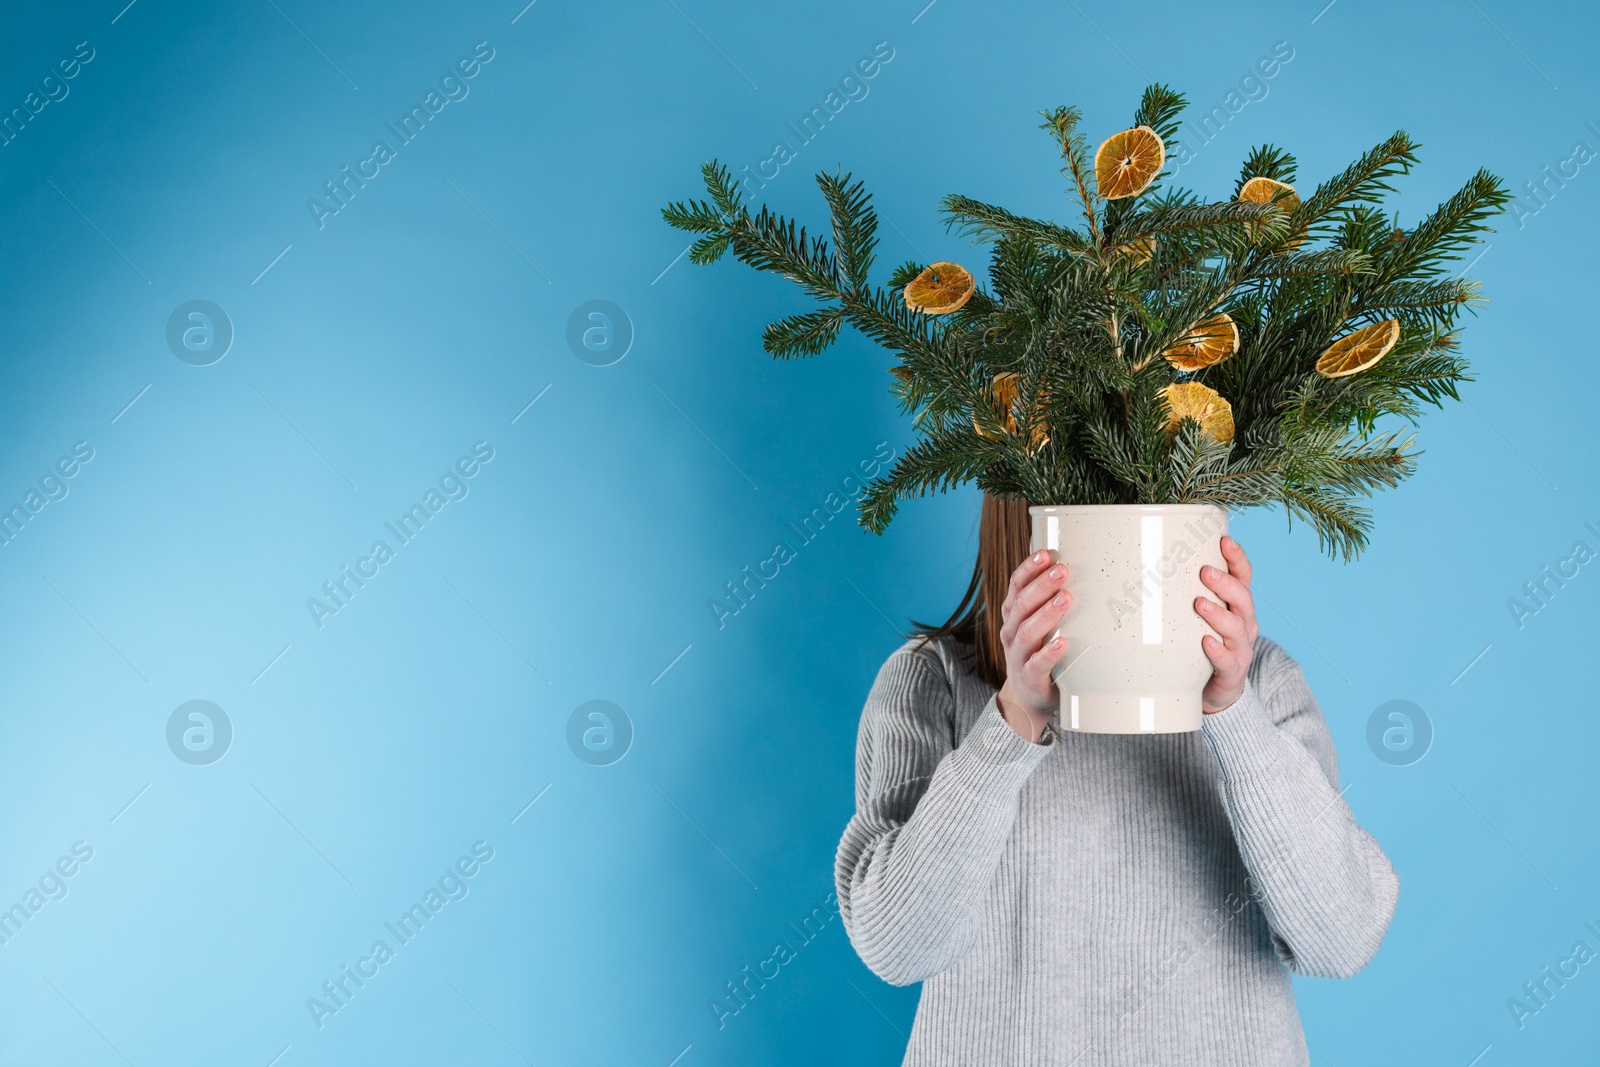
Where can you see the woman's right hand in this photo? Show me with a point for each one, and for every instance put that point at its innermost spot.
(1035, 603)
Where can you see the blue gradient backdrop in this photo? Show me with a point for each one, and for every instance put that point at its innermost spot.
(374, 350)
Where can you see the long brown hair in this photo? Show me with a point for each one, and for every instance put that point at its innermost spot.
(1004, 534)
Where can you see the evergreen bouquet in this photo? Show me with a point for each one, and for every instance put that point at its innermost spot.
(1167, 349)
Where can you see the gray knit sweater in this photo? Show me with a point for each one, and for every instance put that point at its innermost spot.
(1104, 899)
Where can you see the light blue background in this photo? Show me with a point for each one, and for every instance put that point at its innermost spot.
(429, 712)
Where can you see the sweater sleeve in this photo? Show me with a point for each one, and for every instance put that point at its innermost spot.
(933, 813)
(1323, 883)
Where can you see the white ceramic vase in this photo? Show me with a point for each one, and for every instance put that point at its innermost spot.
(1133, 663)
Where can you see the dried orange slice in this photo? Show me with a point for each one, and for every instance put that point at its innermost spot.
(1357, 351)
(1140, 249)
(1126, 163)
(1006, 391)
(940, 289)
(1211, 340)
(1191, 400)
(1269, 191)
(1041, 429)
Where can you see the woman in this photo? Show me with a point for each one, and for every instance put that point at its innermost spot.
(1099, 899)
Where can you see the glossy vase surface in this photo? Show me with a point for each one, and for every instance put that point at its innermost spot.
(1134, 663)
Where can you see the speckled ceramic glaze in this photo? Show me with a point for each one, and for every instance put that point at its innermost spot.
(1134, 662)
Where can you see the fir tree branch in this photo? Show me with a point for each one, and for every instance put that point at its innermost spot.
(1341, 527)
(1159, 108)
(855, 227)
(1450, 230)
(1160, 221)
(1364, 181)
(938, 462)
(1062, 124)
(806, 334)
(973, 218)
(1320, 262)
(1414, 296)
(709, 249)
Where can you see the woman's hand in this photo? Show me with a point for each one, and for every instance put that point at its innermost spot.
(1234, 624)
(1035, 602)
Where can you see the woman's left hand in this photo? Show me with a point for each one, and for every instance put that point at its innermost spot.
(1235, 624)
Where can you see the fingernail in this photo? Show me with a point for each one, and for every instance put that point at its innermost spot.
(1208, 572)
(1059, 600)
(1040, 556)
(1058, 572)
(1058, 642)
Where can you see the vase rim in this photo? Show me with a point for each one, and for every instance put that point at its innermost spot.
(1164, 509)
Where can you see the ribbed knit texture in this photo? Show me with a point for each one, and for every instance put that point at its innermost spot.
(1104, 899)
